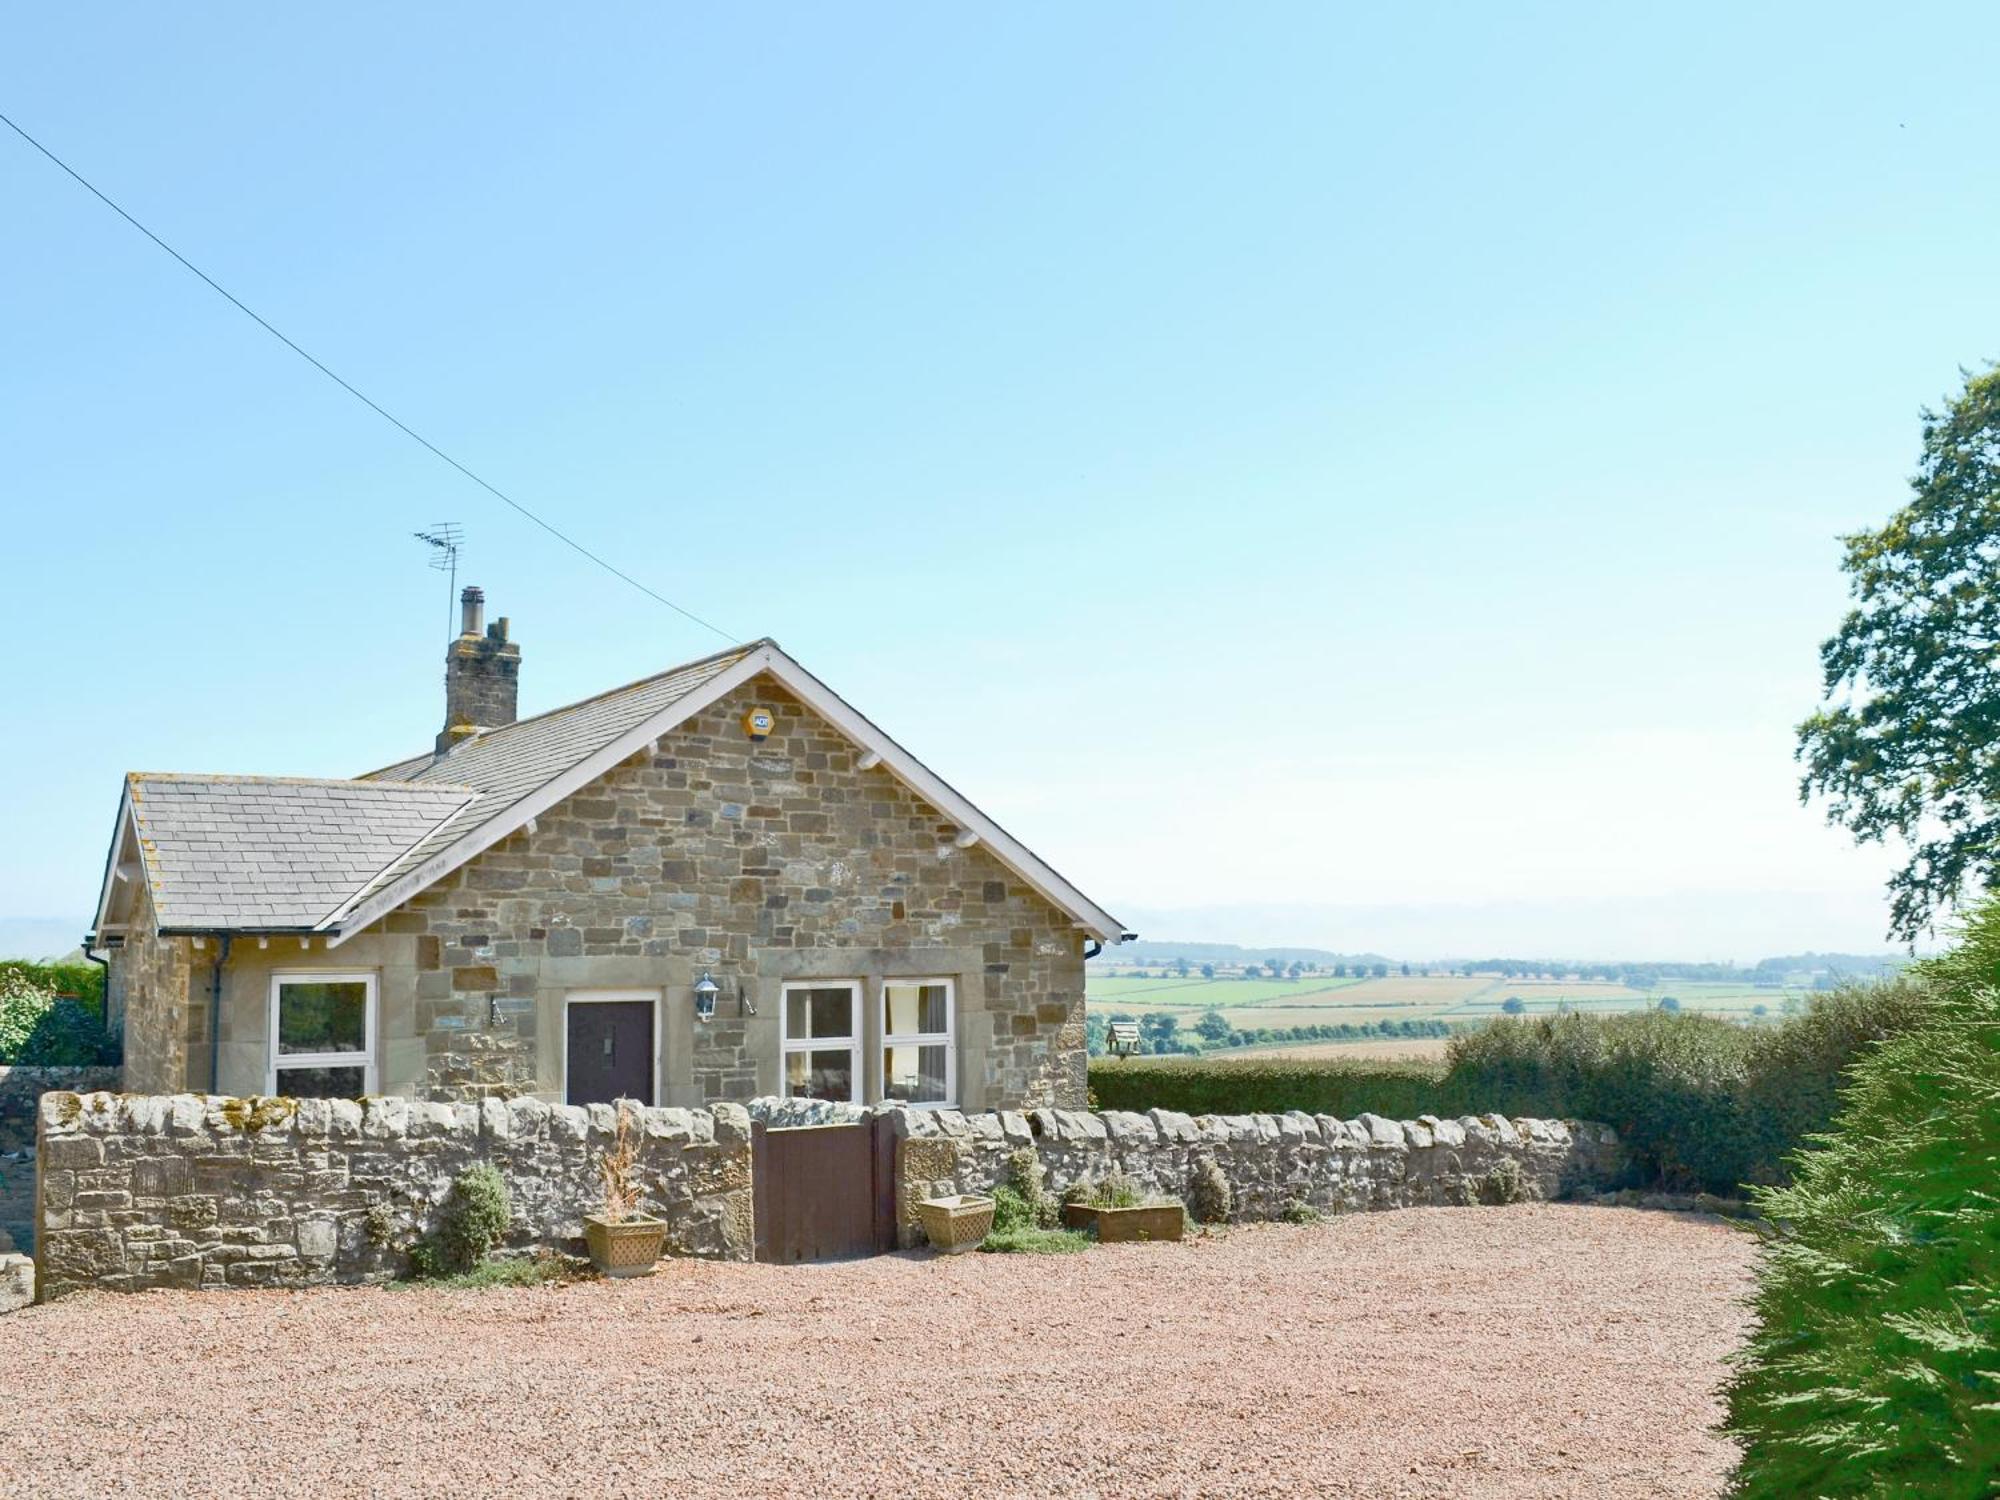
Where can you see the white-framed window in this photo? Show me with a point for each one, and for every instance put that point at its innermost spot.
(919, 1063)
(820, 1039)
(322, 1035)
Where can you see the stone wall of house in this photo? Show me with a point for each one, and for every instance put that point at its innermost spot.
(761, 862)
(148, 990)
(20, 1091)
(141, 1191)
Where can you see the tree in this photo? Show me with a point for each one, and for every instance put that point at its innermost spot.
(1908, 738)
(1668, 1002)
(1158, 1032)
(1380, 971)
(1514, 1005)
(1213, 1028)
(1208, 971)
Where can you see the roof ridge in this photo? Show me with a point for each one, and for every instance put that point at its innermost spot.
(360, 783)
(484, 736)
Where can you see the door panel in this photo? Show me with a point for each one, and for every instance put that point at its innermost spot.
(610, 1051)
(824, 1192)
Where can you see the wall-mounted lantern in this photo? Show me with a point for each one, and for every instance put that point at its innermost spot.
(705, 991)
(1122, 1039)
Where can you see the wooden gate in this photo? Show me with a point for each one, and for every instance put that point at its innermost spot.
(824, 1192)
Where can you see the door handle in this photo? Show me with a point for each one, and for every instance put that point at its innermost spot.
(607, 1045)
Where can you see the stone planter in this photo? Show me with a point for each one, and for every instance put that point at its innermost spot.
(955, 1225)
(629, 1247)
(1149, 1221)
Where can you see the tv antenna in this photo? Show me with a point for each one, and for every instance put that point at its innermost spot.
(446, 539)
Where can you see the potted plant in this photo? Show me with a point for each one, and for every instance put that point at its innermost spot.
(1115, 1210)
(957, 1223)
(622, 1240)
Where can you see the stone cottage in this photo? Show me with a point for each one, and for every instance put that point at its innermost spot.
(713, 884)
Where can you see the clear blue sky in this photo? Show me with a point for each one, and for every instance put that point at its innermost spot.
(1363, 479)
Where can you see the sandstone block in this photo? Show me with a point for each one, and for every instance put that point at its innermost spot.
(17, 1282)
(65, 1153)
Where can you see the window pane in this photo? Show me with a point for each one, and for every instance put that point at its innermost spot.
(911, 1009)
(322, 1083)
(914, 1075)
(819, 1013)
(820, 1075)
(323, 1017)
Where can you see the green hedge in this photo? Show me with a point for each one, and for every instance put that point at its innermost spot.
(1268, 1085)
(1702, 1103)
(1874, 1368)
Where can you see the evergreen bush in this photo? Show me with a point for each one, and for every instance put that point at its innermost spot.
(1875, 1368)
(471, 1222)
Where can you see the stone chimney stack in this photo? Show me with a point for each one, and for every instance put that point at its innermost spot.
(482, 674)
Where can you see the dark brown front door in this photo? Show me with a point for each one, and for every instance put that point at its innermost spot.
(610, 1051)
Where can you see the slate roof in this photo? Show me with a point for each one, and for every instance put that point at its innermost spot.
(274, 853)
(258, 853)
(228, 853)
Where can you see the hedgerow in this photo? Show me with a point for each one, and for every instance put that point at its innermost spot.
(1875, 1367)
(1269, 1085)
(1702, 1103)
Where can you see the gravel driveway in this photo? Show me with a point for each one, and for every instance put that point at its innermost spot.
(1539, 1350)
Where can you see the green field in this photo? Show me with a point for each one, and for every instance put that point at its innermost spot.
(1321, 999)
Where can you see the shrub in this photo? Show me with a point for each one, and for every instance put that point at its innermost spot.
(41, 1026)
(1298, 1211)
(1210, 1198)
(1502, 1184)
(470, 1224)
(1701, 1103)
(1875, 1367)
(1022, 1228)
(1027, 1180)
(1011, 1210)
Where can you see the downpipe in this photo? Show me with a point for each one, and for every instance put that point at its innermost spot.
(215, 1015)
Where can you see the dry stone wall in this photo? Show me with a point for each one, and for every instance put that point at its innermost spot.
(139, 1191)
(187, 1190)
(1274, 1164)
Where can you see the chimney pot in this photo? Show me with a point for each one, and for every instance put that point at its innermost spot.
(471, 609)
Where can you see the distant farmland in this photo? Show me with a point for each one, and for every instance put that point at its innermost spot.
(1456, 999)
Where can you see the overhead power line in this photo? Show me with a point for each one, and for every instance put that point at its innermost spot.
(386, 415)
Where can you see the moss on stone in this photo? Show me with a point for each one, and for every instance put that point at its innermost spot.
(256, 1113)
